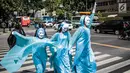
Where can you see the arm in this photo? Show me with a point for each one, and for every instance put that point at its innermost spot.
(75, 37)
(92, 15)
(23, 33)
(54, 37)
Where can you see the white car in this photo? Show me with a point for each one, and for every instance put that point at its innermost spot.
(56, 25)
(95, 23)
(70, 24)
(49, 24)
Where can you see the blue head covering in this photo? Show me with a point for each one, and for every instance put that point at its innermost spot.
(61, 25)
(64, 27)
(82, 20)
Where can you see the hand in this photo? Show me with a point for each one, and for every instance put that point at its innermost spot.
(94, 8)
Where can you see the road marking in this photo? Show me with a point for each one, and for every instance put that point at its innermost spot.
(108, 61)
(112, 46)
(96, 53)
(127, 71)
(114, 67)
(102, 56)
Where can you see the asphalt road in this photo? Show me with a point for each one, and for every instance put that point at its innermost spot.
(112, 55)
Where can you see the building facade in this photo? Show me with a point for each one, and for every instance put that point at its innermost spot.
(109, 7)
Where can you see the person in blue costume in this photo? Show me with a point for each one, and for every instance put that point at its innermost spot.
(40, 54)
(62, 58)
(84, 61)
(14, 59)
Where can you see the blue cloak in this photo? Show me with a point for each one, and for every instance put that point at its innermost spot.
(62, 58)
(84, 61)
(14, 59)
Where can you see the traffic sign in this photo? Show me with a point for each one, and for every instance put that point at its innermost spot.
(122, 8)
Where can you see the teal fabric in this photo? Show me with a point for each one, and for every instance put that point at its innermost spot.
(91, 19)
(40, 54)
(61, 60)
(82, 20)
(84, 61)
(14, 59)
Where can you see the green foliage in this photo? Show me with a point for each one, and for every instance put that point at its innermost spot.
(38, 20)
(102, 19)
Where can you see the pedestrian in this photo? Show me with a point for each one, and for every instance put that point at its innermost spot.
(12, 39)
(40, 54)
(18, 54)
(9, 25)
(61, 60)
(41, 26)
(3, 26)
(84, 61)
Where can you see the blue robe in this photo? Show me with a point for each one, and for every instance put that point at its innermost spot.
(40, 54)
(62, 58)
(14, 59)
(84, 61)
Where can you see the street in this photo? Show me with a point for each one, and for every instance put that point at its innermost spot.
(112, 55)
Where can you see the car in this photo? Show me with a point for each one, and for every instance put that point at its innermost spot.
(49, 24)
(110, 26)
(94, 24)
(70, 24)
(57, 24)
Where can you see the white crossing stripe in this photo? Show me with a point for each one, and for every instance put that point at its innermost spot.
(102, 56)
(128, 71)
(114, 67)
(108, 61)
(99, 56)
(96, 53)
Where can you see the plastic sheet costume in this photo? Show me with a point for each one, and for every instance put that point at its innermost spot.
(40, 54)
(62, 58)
(84, 61)
(14, 59)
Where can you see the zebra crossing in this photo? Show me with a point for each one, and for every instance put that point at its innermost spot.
(102, 59)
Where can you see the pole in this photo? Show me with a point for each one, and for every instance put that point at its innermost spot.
(86, 5)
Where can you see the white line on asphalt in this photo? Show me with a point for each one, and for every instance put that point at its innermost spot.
(114, 67)
(128, 71)
(108, 61)
(102, 56)
(27, 67)
(96, 53)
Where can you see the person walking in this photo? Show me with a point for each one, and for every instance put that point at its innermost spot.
(84, 60)
(62, 58)
(12, 39)
(40, 54)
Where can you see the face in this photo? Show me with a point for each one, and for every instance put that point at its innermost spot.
(40, 34)
(65, 27)
(87, 20)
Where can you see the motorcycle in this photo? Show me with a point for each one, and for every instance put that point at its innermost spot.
(125, 33)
